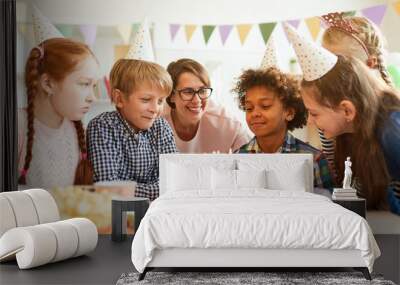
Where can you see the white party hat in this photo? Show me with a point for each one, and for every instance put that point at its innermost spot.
(42, 27)
(314, 60)
(270, 59)
(142, 47)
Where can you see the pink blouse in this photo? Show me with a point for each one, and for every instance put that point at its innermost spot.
(218, 131)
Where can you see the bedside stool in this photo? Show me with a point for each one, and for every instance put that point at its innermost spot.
(357, 205)
(119, 208)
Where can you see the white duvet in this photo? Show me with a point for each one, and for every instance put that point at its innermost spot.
(253, 218)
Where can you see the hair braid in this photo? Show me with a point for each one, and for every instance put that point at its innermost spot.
(83, 173)
(32, 82)
(382, 69)
(375, 43)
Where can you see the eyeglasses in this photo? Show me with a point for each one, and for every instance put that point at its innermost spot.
(188, 94)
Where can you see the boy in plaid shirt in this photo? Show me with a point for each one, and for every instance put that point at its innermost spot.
(125, 144)
(273, 107)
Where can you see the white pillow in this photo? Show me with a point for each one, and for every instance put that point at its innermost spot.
(291, 178)
(251, 178)
(183, 177)
(223, 179)
(283, 174)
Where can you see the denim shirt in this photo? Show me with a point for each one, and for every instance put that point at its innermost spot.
(389, 138)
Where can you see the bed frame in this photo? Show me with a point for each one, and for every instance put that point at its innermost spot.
(245, 259)
(249, 258)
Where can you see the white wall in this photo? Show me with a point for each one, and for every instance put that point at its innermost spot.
(192, 11)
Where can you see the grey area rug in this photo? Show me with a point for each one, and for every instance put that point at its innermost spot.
(225, 278)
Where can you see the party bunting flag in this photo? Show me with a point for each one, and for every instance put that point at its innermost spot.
(125, 31)
(207, 32)
(294, 23)
(314, 26)
(375, 13)
(136, 26)
(224, 31)
(66, 30)
(22, 28)
(107, 85)
(349, 13)
(397, 7)
(243, 31)
(89, 33)
(266, 30)
(189, 30)
(120, 51)
(173, 29)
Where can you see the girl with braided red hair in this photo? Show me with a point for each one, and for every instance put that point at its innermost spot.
(60, 77)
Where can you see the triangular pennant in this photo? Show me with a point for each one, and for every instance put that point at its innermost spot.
(107, 85)
(125, 31)
(243, 30)
(314, 26)
(349, 13)
(66, 30)
(135, 28)
(266, 30)
(207, 32)
(375, 13)
(22, 28)
(120, 51)
(89, 33)
(295, 23)
(189, 30)
(173, 29)
(224, 31)
(397, 7)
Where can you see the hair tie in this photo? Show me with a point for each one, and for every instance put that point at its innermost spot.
(41, 51)
(24, 172)
(83, 155)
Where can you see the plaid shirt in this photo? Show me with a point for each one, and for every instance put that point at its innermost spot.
(117, 152)
(322, 174)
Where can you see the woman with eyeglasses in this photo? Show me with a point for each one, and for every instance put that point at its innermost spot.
(199, 124)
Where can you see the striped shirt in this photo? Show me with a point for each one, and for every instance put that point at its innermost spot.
(328, 149)
(322, 173)
(117, 152)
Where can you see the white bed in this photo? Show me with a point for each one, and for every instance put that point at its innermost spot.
(203, 219)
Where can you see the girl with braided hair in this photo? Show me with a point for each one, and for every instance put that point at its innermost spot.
(359, 38)
(60, 77)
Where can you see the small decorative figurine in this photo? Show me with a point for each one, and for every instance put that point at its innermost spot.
(347, 174)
